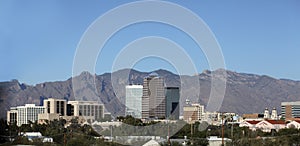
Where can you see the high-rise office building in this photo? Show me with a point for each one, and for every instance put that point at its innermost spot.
(23, 114)
(153, 100)
(290, 110)
(133, 100)
(172, 102)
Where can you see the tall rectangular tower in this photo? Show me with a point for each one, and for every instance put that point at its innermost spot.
(153, 100)
(172, 102)
(133, 100)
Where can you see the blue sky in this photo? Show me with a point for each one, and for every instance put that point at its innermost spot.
(38, 39)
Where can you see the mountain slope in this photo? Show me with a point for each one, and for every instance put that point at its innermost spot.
(245, 93)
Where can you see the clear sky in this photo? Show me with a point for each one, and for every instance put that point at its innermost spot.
(38, 39)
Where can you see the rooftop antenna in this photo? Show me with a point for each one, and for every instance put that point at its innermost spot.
(187, 101)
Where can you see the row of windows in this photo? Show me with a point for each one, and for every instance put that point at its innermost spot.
(90, 110)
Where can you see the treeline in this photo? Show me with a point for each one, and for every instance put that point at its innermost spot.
(74, 134)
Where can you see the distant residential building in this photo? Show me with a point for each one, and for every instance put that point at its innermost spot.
(23, 114)
(153, 99)
(290, 110)
(133, 100)
(193, 113)
(90, 110)
(172, 102)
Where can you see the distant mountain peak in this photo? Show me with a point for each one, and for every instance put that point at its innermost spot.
(245, 93)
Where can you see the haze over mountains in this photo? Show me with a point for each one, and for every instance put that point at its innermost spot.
(245, 93)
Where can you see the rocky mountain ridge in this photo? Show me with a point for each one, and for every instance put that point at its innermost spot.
(245, 93)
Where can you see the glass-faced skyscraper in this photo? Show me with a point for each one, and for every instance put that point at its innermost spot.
(172, 102)
(153, 100)
(133, 100)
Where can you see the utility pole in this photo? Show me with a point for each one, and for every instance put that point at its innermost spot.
(169, 142)
(111, 133)
(65, 139)
(10, 139)
(231, 130)
(222, 122)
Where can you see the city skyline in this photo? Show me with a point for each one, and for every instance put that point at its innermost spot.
(38, 40)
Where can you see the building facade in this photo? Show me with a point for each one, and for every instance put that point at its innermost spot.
(193, 113)
(90, 110)
(133, 100)
(153, 99)
(22, 114)
(12, 116)
(290, 110)
(55, 106)
(172, 102)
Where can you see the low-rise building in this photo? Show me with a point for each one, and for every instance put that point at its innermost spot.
(90, 110)
(83, 111)
(36, 135)
(250, 124)
(23, 114)
(268, 125)
(264, 125)
(293, 124)
(217, 141)
(193, 113)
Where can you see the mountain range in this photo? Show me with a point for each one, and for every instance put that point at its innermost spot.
(244, 93)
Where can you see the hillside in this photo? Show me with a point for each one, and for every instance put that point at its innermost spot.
(245, 93)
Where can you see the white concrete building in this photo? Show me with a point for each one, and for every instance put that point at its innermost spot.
(23, 114)
(217, 141)
(293, 124)
(133, 100)
(274, 115)
(12, 116)
(266, 114)
(264, 125)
